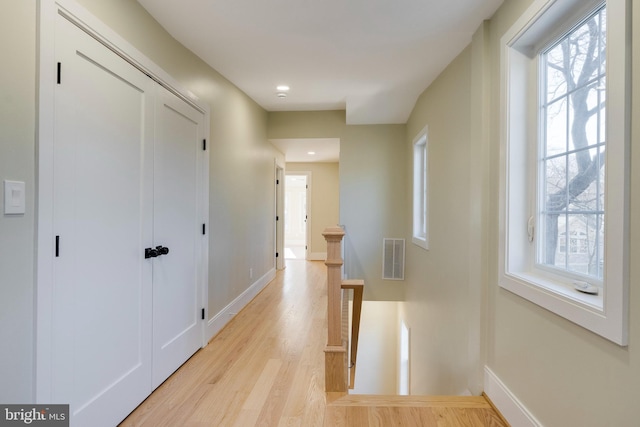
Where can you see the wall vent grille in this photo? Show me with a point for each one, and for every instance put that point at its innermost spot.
(393, 259)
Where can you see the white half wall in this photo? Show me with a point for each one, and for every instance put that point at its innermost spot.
(378, 344)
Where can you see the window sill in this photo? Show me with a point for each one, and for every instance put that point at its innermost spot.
(561, 290)
(588, 311)
(421, 241)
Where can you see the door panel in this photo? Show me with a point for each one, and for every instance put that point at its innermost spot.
(102, 213)
(177, 299)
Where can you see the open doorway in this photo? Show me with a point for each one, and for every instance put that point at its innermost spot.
(296, 218)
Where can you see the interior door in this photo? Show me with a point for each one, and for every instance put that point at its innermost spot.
(177, 275)
(101, 355)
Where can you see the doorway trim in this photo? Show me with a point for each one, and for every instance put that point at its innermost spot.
(81, 17)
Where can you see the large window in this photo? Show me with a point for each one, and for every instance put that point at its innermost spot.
(420, 190)
(564, 183)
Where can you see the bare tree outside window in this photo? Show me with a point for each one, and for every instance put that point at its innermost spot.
(571, 167)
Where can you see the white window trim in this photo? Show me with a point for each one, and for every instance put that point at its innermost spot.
(607, 313)
(421, 189)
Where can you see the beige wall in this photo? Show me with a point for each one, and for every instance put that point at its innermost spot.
(17, 162)
(437, 294)
(306, 124)
(564, 374)
(372, 203)
(372, 188)
(242, 175)
(325, 192)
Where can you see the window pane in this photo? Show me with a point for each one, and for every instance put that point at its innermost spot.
(420, 197)
(578, 259)
(556, 82)
(556, 183)
(573, 148)
(585, 247)
(602, 91)
(601, 181)
(584, 117)
(589, 198)
(583, 48)
(556, 127)
(554, 240)
(603, 40)
(600, 244)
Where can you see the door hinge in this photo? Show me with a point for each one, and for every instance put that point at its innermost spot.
(277, 181)
(277, 254)
(277, 218)
(203, 314)
(57, 246)
(59, 72)
(204, 145)
(204, 229)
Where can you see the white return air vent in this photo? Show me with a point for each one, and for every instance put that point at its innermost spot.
(393, 259)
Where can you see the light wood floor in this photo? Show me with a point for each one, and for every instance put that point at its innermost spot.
(266, 368)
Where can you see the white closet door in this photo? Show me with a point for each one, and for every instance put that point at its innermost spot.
(177, 277)
(101, 358)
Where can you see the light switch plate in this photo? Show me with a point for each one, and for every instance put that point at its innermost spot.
(14, 197)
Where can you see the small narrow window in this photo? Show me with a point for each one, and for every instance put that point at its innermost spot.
(420, 194)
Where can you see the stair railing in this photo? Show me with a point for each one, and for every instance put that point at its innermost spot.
(357, 286)
(337, 364)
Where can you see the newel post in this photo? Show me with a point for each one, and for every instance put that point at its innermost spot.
(336, 351)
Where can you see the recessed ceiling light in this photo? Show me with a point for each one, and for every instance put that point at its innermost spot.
(282, 88)
(281, 95)
(311, 153)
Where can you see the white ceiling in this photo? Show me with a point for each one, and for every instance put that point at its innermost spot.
(371, 58)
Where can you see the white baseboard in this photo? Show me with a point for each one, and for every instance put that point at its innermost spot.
(317, 256)
(507, 403)
(217, 322)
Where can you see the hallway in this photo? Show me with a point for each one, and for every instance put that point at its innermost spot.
(266, 367)
(267, 364)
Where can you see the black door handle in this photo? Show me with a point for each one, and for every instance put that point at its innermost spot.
(150, 253)
(162, 250)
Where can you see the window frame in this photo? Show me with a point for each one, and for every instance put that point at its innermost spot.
(545, 20)
(420, 233)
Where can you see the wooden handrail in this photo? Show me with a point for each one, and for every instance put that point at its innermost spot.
(358, 287)
(336, 363)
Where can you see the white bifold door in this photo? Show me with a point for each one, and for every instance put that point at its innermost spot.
(127, 266)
